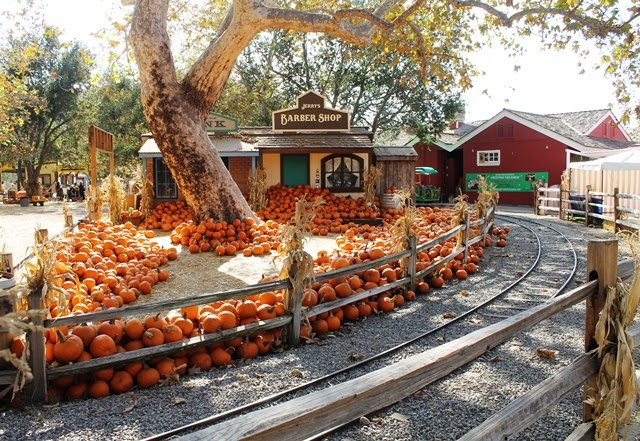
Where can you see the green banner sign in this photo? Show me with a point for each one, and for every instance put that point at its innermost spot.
(514, 182)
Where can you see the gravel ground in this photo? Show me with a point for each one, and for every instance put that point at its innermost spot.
(443, 411)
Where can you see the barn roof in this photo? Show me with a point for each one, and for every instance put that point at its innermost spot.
(559, 127)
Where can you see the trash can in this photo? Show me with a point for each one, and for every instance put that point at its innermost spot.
(579, 204)
(597, 210)
(24, 201)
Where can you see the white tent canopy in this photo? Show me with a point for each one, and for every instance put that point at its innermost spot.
(628, 159)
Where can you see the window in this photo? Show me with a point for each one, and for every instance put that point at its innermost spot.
(165, 186)
(502, 131)
(488, 157)
(509, 130)
(342, 172)
(225, 161)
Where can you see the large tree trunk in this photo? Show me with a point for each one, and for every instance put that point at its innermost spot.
(176, 112)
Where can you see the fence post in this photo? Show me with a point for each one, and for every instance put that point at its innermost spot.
(413, 260)
(616, 212)
(294, 307)
(536, 196)
(587, 199)
(37, 389)
(602, 264)
(465, 236)
(560, 202)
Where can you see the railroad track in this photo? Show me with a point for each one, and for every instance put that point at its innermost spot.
(542, 250)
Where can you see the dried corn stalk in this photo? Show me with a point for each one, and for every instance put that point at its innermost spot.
(297, 263)
(460, 211)
(371, 176)
(616, 386)
(94, 203)
(403, 227)
(146, 196)
(487, 197)
(115, 198)
(13, 324)
(66, 212)
(258, 189)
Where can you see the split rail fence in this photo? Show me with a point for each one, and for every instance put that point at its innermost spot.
(37, 388)
(593, 206)
(340, 404)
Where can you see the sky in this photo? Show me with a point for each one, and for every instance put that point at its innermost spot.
(547, 82)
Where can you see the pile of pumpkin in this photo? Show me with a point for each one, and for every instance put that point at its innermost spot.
(101, 266)
(84, 342)
(335, 215)
(120, 262)
(225, 239)
(167, 215)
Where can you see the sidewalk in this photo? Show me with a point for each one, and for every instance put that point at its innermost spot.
(19, 224)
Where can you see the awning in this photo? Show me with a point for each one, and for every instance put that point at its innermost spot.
(426, 170)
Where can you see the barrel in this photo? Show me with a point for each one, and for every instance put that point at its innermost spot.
(390, 200)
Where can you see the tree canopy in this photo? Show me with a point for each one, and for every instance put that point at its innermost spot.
(382, 91)
(435, 34)
(52, 77)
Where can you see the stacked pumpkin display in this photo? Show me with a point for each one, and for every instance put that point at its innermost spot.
(120, 263)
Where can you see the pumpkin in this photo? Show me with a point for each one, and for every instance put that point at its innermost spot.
(152, 337)
(121, 382)
(86, 333)
(147, 377)
(68, 348)
(102, 346)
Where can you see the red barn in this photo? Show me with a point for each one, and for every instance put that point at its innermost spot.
(514, 150)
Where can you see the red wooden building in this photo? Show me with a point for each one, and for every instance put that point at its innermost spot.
(513, 150)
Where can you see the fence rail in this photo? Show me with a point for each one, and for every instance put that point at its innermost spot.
(37, 390)
(593, 206)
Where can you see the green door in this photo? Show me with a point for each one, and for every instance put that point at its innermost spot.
(295, 170)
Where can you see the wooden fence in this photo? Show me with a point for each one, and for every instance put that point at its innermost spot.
(338, 405)
(342, 403)
(37, 388)
(592, 206)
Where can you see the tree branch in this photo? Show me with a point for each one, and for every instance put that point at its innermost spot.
(509, 20)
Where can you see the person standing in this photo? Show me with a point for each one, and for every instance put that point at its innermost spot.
(81, 190)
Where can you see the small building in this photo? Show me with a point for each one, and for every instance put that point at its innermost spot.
(515, 150)
(308, 144)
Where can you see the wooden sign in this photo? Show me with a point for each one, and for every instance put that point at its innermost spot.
(220, 123)
(311, 115)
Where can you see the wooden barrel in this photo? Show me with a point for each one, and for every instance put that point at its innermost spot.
(390, 200)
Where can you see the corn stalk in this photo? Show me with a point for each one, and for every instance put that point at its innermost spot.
(460, 210)
(402, 229)
(487, 197)
(146, 196)
(297, 264)
(115, 198)
(257, 189)
(94, 203)
(371, 176)
(14, 324)
(616, 385)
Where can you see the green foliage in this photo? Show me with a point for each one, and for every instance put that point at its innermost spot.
(383, 90)
(52, 77)
(117, 108)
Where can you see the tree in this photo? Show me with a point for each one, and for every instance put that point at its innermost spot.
(54, 76)
(383, 91)
(116, 108)
(176, 108)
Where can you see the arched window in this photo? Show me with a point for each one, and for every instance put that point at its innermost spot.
(342, 172)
